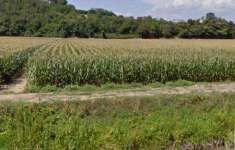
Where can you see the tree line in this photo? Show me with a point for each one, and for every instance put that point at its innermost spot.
(57, 18)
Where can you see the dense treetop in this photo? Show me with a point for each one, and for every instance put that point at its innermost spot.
(57, 18)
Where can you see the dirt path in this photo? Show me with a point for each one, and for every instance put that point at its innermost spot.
(16, 87)
(201, 88)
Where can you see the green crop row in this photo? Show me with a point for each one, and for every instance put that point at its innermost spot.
(102, 69)
(13, 64)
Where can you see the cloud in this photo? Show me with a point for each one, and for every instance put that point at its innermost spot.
(181, 9)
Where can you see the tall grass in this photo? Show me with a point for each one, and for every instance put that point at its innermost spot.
(177, 122)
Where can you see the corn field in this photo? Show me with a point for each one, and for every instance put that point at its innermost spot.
(9, 45)
(63, 62)
(12, 65)
(79, 61)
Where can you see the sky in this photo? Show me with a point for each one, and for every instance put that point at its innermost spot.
(167, 9)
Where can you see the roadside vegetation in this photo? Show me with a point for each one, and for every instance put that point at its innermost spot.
(178, 122)
(105, 87)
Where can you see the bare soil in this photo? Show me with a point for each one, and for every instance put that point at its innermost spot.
(16, 87)
(40, 97)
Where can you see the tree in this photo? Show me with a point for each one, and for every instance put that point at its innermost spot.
(167, 30)
(60, 19)
(104, 35)
(210, 16)
(60, 2)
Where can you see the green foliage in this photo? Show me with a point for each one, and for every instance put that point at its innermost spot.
(196, 121)
(13, 64)
(101, 69)
(180, 83)
(57, 18)
(87, 89)
(209, 27)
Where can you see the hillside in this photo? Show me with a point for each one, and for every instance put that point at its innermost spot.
(57, 18)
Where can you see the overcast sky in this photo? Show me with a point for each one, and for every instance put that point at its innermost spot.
(168, 9)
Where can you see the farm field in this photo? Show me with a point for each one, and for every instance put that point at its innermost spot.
(78, 61)
(14, 44)
(62, 62)
(116, 94)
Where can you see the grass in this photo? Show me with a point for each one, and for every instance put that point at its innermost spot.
(105, 87)
(195, 121)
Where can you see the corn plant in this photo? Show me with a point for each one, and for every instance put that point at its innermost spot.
(103, 69)
(12, 65)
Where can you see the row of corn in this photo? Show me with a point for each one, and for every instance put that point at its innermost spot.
(100, 69)
(12, 65)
